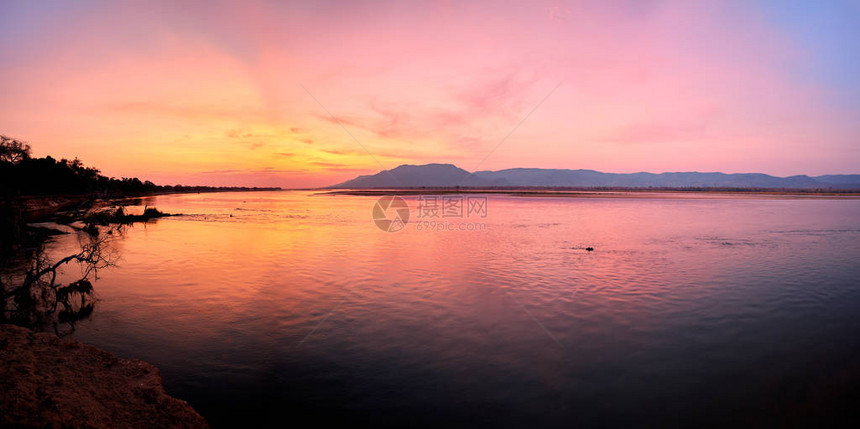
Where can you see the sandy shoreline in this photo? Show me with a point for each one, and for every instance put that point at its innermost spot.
(603, 193)
(49, 382)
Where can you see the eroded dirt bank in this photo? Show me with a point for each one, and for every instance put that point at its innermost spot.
(49, 382)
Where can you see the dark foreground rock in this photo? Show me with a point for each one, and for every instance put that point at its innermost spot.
(49, 382)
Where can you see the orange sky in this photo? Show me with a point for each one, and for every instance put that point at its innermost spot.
(211, 93)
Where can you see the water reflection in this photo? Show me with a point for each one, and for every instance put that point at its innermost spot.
(33, 294)
(688, 311)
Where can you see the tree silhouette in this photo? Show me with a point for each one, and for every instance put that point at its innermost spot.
(13, 151)
(31, 296)
(23, 175)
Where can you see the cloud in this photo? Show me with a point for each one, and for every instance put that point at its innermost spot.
(235, 134)
(648, 133)
(647, 85)
(327, 164)
(557, 13)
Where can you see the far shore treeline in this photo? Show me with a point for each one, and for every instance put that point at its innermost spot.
(34, 189)
(23, 175)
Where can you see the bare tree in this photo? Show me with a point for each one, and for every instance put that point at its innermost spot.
(13, 151)
(34, 298)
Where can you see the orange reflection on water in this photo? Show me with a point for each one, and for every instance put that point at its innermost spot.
(286, 291)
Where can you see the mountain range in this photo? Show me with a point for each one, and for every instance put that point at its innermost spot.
(448, 175)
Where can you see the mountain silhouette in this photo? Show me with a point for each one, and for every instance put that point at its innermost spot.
(448, 175)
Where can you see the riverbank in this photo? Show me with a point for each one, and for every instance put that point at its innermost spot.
(606, 192)
(49, 382)
(40, 207)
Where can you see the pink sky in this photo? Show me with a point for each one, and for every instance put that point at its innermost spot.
(185, 92)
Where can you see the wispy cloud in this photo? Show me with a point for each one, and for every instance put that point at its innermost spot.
(648, 86)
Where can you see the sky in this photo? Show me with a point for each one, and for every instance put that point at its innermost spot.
(304, 94)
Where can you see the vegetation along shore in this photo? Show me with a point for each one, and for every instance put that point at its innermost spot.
(47, 381)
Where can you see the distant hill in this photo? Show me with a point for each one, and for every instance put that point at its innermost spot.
(418, 176)
(448, 175)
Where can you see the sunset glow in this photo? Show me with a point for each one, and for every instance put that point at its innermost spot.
(217, 94)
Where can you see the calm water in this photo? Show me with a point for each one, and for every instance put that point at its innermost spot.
(276, 307)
